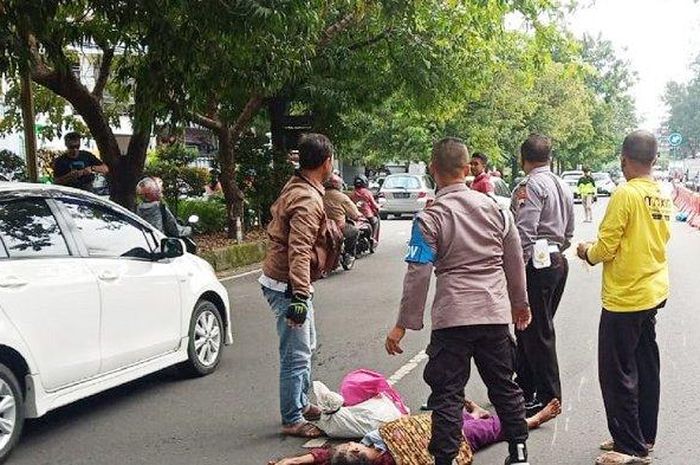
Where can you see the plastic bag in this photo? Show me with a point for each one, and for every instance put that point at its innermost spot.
(360, 385)
(354, 421)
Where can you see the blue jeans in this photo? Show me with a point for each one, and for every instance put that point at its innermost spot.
(295, 349)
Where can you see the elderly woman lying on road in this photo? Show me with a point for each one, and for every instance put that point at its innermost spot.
(406, 440)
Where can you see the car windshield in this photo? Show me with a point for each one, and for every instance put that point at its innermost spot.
(402, 182)
(601, 176)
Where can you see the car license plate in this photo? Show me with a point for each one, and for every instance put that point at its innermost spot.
(402, 195)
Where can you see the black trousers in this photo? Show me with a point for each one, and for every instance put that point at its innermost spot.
(537, 364)
(629, 374)
(351, 234)
(447, 372)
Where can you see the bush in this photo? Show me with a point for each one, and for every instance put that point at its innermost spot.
(235, 256)
(212, 214)
(171, 163)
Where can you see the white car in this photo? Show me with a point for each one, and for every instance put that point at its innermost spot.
(604, 183)
(92, 297)
(404, 194)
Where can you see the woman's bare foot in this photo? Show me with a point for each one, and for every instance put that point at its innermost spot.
(549, 412)
(475, 411)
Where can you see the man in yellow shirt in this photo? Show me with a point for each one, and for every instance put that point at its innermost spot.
(632, 247)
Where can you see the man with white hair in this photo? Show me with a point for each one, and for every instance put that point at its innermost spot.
(155, 211)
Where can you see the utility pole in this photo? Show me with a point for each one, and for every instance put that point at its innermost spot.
(29, 127)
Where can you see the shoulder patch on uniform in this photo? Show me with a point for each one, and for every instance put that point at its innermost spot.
(419, 251)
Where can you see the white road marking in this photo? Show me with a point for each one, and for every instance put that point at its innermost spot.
(408, 367)
(242, 275)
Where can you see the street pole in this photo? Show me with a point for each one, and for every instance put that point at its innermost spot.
(29, 128)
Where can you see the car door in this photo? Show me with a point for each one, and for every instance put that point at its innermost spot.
(141, 304)
(47, 292)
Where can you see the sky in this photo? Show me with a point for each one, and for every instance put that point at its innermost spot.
(660, 38)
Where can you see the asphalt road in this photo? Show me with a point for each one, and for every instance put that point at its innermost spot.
(231, 416)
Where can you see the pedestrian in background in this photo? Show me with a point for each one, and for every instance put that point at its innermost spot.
(293, 260)
(479, 168)
(587, 190)
(474, 248)
(76, 168)
(632, 247)
(544, 212)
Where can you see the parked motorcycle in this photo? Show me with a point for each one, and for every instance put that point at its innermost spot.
(186, 237)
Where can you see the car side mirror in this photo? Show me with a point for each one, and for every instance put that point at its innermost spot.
(171, 247)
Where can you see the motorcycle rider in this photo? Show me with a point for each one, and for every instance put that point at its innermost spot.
(368, 206)
(340, 208)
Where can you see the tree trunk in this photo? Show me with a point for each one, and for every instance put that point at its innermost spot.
(232, 193)
(124, 171)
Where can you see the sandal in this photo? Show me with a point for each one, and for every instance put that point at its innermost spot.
(616, 458)
(312, 413)
(610, 445)
(302, 430)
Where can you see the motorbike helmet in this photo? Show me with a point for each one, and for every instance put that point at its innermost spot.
(361, 181)
(334, 182)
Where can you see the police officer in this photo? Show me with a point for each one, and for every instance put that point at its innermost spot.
(544, 214)
(474, 249)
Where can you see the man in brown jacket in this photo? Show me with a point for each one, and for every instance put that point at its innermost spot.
(292, 262)
(474, 249)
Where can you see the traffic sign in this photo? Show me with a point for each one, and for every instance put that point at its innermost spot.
(675, 139)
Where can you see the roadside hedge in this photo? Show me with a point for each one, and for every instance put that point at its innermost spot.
(212, 214)
(235, 256)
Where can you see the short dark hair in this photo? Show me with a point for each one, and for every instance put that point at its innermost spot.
(72, 136)
(340, 458)
(536, 148)
(314, 150)
(482, 156)
(640, 146)
(450, 156)
(586, 169)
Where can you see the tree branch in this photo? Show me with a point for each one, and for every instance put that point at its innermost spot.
(337, 28)
(204, 121)
(255, 102)
(103, 77)
(371, 41)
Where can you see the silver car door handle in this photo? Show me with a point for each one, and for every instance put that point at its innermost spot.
(108, 276)
(11, 282)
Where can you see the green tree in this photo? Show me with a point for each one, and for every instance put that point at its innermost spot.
(683, 102)
(48, 37)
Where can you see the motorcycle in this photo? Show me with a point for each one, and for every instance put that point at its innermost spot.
(186, 236)
(366, 243)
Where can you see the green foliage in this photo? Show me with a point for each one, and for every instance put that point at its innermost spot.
(683, 102)
(171, 163)
(211, 212)
(12, 166)
(574, 91)
(261, 175)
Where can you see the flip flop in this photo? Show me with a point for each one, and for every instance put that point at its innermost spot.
(302, 430)
(610, 445)
(616, 458)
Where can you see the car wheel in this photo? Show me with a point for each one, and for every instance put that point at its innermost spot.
(206, 340)
(383, 215)
(11, 412)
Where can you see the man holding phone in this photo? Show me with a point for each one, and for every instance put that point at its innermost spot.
(76, 168)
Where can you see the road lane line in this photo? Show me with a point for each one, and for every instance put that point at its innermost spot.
(242, 275)
(408, 367)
